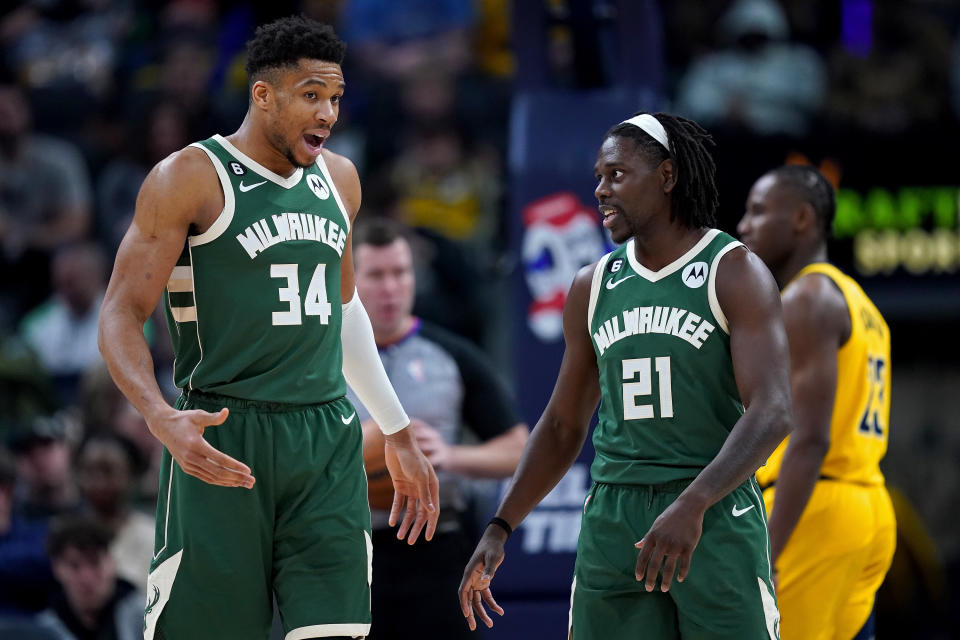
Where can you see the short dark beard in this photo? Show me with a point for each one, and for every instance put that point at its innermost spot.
(632, 229)
(280, 145)
(619, 242)
(288, 154)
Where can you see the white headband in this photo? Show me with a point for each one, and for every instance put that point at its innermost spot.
(652, 126)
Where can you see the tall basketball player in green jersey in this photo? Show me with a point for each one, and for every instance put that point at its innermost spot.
(247, 241)
(678, 335)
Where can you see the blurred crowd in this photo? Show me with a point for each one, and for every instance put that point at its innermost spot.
(93, 93)
(876, 66)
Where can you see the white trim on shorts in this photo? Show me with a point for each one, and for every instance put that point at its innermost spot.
(166, 521)
(328, 630)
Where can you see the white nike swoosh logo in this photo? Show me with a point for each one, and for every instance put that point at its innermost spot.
(348, 420)
(611, 284)
(739, 512)
(244, 188)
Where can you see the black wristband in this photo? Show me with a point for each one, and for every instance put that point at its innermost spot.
(503, 524)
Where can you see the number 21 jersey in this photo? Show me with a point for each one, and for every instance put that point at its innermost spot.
(253, 304)
(668, 394)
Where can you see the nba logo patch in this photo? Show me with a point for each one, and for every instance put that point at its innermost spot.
(694, 274)
(416, 370)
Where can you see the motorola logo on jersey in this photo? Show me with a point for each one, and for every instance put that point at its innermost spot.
(237, 168)
(316, 185)
(694, 274)
(615, 265)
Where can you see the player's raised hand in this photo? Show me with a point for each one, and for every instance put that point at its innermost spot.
(181, 432)
(668, 545)
(415, 487)
(475, 585)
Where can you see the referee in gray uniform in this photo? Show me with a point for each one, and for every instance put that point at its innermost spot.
(446, 385)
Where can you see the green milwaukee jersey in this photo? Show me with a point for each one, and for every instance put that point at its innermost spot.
(668, 394)
(253, 304)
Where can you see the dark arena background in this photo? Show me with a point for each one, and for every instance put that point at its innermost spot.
(476, 123)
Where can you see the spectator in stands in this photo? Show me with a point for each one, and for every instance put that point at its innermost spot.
(182, 76)
(759, 80)
(393, 39)
(160, 133)
(898, 81)
(103, 407)
(44, 200)
(93, 603)
(441, 186)
(447, 190)
(25, 577)
(47, 486)
(129, 424)
(448, 388)
(185, 79)
(51, 43)
(108, 470)
(63, 330)
(26, 390)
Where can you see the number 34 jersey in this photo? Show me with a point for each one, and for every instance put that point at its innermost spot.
(253, 304)
(668, 394)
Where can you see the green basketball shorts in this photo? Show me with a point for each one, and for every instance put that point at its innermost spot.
(728, 592)
(302, 534)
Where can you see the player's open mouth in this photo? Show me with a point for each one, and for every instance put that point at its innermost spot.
(609, 214)
(313, 142)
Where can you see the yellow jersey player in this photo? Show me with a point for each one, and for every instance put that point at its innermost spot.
(832, 528)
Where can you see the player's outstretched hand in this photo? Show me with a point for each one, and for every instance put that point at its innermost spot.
(669, 544)
(475, 585)
(181, 432)
(415, 486)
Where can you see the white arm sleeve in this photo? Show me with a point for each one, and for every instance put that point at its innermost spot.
(364, 371)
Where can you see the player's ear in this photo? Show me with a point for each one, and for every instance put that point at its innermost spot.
(261, 94)
(668, 175)
(804, 218)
